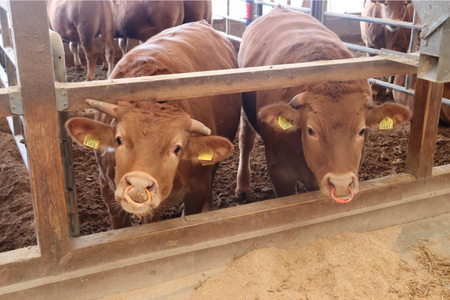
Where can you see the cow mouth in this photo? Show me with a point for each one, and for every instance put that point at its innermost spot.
(142, 199)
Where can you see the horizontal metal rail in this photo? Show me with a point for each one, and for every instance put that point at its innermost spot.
(374, 20)
(302, 9)
(230, 18)
(401, 89)
(231, 37)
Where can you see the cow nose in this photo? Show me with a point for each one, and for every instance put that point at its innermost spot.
(343, 184)
(138, 188)
(139, 182)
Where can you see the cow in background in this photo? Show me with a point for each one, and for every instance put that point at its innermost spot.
(312, 133)
(197, 10)
(140, 20)
(80, 22)
(153, 156)
(379, 36)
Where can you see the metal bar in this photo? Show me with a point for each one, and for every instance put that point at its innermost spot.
(231, 18)
(231, 37)
(363, 49)
(303, 9)
(401, 89)
(374, 20)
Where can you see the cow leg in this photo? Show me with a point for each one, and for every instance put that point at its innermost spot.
(200, 199)
(247, 137)
(88, 44)
(75, 49)
(107, 38)
(123, 44)
(283, 180)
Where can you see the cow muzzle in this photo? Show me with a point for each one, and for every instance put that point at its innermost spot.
(340, 187)
(137, 192)
(137, 197)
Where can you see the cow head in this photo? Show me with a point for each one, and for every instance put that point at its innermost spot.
(333, 121)
(150, 141)
(395, 10)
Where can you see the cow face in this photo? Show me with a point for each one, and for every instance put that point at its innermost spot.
(394, 10)
(333, 130)
(150, 141)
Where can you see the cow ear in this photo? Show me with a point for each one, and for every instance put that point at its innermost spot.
(387, 115)
(281, 117)
(90, 133)
(208, 150)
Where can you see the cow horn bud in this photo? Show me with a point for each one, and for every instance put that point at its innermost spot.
(107, 108)
(297, 101)
(199, 127)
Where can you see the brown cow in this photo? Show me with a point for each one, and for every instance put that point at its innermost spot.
(197, 10)
(386, 36)
(80, 22)
(141, 20)
(314, 134)
(159, 149)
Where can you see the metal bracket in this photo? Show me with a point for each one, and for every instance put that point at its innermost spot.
(15, 102)
(62, 100)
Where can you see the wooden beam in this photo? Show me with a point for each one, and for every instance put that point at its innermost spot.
(424, 128)
(34, 62)
(198, 84)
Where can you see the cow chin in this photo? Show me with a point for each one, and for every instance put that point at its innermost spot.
(344, 185)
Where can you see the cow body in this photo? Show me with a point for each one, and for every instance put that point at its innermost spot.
(157, 146)
(141, 20)
(325, 123)
(79, 22)
(197, 10)
(379, 36)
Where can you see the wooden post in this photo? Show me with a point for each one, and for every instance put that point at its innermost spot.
(35, 77)
(424, 127)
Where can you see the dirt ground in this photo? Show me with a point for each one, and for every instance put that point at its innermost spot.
(325, 259)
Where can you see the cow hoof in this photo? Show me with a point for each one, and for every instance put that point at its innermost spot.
(79, 67)
(243, 196)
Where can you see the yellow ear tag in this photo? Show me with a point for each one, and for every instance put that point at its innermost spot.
(91, 142)
(386, 123)
(377, 2)
(284, 123)
(206, 156)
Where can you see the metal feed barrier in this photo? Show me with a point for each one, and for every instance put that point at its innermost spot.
(118, 262)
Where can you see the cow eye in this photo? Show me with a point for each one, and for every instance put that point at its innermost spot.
(119, 141)
(311, 131)
(177, 149)
(362, 131)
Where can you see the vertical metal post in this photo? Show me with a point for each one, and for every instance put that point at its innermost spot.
(318, 7)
